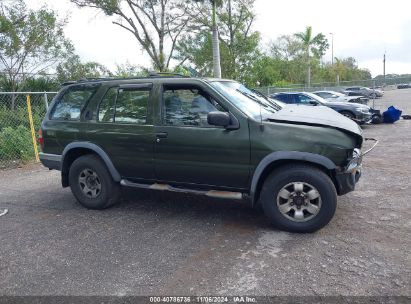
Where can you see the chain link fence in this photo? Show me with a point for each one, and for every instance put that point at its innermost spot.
(386, 84)
(21, 114)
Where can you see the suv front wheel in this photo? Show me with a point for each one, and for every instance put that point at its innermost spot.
(92, 184)
(299, 198)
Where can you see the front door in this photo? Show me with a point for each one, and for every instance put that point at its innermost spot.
(190, 151)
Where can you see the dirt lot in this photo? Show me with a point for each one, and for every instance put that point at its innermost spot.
(164, 243)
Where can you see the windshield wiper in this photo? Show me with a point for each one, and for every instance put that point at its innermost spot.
(277, 107)
(249, 96)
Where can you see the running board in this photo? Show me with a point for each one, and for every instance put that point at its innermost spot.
(164, 187)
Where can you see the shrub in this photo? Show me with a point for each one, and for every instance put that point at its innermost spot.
(16, 144)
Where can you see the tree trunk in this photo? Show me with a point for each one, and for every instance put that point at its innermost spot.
(162, 67)
(216, 46)
(309, 68)
(14, 89)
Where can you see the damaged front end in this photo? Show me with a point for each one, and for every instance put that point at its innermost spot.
(350, 174)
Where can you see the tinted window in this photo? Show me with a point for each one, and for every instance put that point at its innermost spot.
(72, 102)
(303, 99)
(131, 106)
(282, 97)
(187, 106)
(107, 106)
(324, 94)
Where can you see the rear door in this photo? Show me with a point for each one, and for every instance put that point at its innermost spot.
(190, 151)
(124, 129)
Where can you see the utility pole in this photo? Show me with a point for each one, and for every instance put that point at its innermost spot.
(216, 43)
(332, 48)
(383, 61)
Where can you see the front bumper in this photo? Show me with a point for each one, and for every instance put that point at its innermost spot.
(365, 117)
(347, 178)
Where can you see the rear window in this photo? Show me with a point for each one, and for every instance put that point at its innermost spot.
(70, 105)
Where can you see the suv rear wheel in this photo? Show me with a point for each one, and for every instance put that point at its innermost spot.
(299, 198)
(92, 184)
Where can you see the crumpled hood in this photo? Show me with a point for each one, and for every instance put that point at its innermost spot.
(319, 115)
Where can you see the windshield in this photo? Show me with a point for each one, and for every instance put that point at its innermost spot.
(316, 97)
(337, 93)
(251, 102)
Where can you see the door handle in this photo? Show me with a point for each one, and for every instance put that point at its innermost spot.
(162, 135)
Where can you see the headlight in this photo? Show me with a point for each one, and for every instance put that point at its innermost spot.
(363, 110)
(355, 161)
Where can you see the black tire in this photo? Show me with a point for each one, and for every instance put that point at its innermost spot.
(299, 173)
(109, 192)
(376, 119)
(348, 114)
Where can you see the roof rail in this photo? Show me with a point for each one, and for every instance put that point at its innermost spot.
(151, 75)
(169, 74)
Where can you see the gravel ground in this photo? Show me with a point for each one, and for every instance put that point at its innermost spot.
(173, 244)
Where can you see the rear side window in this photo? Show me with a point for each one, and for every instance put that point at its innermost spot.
(124, 105)
(107, 106)
(72, 102)
(131, 106)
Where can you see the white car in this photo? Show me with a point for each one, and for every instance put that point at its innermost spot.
(336, 96)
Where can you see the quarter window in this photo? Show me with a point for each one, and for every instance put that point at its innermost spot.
(188, 106)
(72, 102)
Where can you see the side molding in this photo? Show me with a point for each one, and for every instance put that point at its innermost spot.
(106, 159)
(286, 155)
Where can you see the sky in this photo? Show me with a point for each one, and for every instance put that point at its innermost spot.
(363, 29)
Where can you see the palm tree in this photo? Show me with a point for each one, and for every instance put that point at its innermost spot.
(216, 41)
(215, 38)
(308, 42)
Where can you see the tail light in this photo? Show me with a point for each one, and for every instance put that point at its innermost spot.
(40, 138)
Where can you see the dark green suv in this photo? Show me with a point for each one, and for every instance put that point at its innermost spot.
(202, 136)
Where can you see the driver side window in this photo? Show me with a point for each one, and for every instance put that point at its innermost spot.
(187, 106)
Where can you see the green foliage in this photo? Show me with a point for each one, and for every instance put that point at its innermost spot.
(31, 41)
(239, 44)
(316, 45)
(19, 116)
(74, 69)
(156, 25)
(16, 144)
(129, 70)
(40, 84)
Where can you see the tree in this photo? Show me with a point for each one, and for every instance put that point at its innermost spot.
(129, 70)
(316, 45)
(74, 69)
(238, 42)
(30, 41)
(290, 52)
(215, 37)
(155, 24)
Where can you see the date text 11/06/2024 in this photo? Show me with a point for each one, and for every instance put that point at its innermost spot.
(203, 299)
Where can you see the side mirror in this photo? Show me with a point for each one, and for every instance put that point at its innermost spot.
(313, 103)
(218, 119)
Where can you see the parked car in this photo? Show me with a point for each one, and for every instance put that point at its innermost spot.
(201, 136)
(363, 91)
(404, 86)
(378, 91)
(337, 96)
(357, 112)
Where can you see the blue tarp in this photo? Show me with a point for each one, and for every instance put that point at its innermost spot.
(391, 115)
